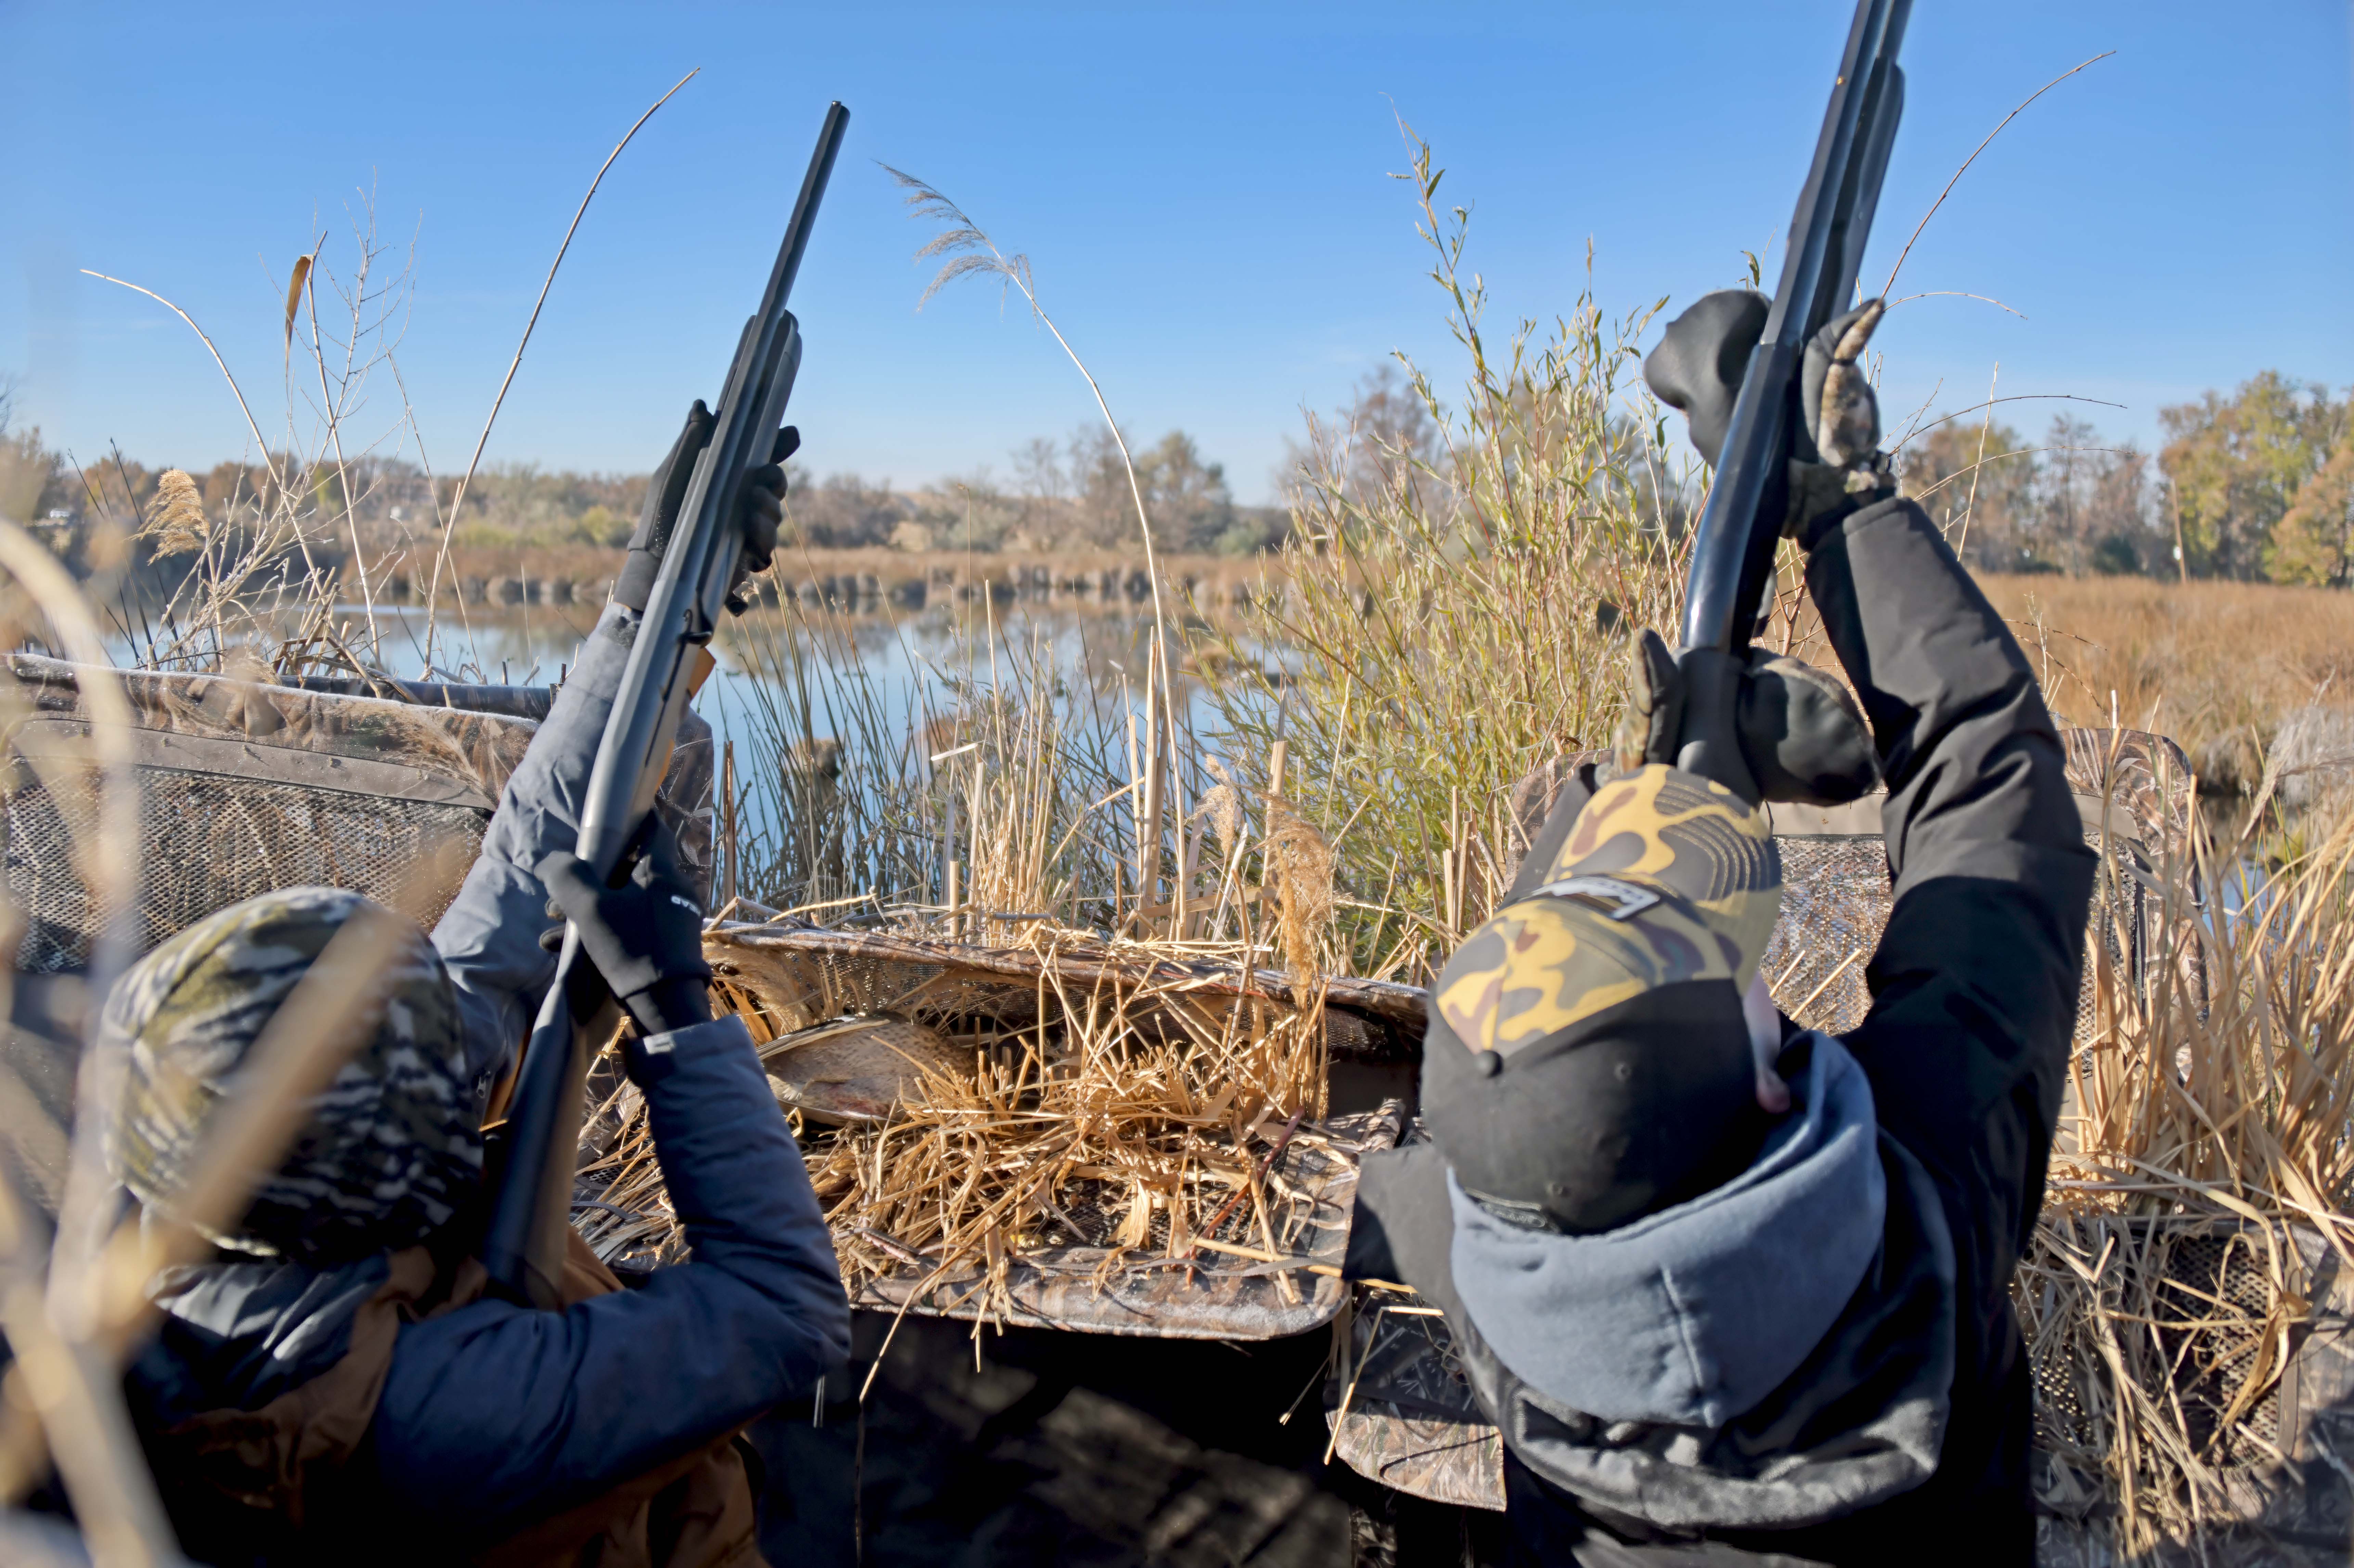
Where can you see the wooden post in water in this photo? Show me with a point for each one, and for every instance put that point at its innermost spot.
(727, 866)
(1148, 829)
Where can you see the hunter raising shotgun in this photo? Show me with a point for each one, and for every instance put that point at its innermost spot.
(1736, 1291)
(391, 1357)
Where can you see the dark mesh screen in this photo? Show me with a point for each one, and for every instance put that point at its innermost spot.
(209, 839)
(1834, 904)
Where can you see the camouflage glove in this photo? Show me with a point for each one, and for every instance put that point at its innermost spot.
(1836, 467)
(762, 513)
(1767, 726)
(645, 936)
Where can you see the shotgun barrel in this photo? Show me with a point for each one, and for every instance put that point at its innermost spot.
(1733, 553)
(523, 1238)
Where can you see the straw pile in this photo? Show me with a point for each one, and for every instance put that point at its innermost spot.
(1111, 1102)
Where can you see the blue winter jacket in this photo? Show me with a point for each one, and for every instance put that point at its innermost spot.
(494, 1415)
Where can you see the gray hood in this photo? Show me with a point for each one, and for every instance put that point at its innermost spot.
(1692, 1316)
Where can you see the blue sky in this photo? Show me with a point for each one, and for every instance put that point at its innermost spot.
(1201, 189)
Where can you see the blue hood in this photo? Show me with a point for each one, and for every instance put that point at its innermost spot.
(1692, 1316)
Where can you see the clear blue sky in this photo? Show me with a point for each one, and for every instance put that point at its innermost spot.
(1201, 189)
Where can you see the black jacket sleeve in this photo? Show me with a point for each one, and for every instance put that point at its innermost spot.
(1974, 984)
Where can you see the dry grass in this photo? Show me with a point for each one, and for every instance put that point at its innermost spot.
(1133, 1116)
(1456, 615)
(2200, 1185)
(2216, 665)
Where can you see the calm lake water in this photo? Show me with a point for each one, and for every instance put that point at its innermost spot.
(784, 674)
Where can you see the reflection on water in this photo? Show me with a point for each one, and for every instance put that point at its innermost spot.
(909, 666)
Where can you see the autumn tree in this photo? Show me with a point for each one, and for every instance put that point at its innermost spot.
(1977, 481)
(2314, 540)
(27, 470)
(2234, 465)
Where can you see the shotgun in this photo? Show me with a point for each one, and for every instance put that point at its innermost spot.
(531, 1203)
(1733, 553)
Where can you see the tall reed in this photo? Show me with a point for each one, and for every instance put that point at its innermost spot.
(1458, 622)
(2196, 1208)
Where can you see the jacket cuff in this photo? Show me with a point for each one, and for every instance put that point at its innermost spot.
(657, 1056)
(1816, 508)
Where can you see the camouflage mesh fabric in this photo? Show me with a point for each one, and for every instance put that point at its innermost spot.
(1665, 877)
(393, 1146)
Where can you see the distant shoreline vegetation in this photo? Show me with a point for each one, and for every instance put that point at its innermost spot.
(2255, 486)
(1061, 497)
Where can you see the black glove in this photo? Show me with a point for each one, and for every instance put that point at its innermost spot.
(645, 936)
(1701, 360)
(762, 512)
(1767, 726)
(1836, 467)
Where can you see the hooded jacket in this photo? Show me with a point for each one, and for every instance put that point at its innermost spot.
(1903, 1416)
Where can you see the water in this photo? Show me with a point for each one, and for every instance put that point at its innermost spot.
(913, 663)
(880, 684)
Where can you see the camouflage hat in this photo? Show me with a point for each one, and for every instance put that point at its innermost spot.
(393, 1146)
(1665, 877)
(1586, 1057)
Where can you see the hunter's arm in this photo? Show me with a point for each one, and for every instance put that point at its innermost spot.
(495, 1414)
(489, 938)
(1974, 984)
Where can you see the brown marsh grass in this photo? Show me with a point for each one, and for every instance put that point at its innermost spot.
(2197, 1204)
(2217, 665)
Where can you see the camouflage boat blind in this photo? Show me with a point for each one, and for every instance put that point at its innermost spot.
(245, 788)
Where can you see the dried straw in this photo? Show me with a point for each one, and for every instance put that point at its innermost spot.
(1129, 1116)
(2198, 1196)
(175, 519)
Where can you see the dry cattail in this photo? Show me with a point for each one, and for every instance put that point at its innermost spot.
(176, 520)
(1302, 862)
(1222, 807)
(302, 276)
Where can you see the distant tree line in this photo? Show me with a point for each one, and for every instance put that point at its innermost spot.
(2255, 486)
(1073, 493)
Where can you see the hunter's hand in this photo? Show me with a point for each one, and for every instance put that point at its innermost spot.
(763, 515)
(760, 512)
(1836, 466)
(645, 936)
(1699, 362)
(1766, 727)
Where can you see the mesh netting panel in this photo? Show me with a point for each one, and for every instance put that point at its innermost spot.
(1834, 904)
(2212, 1310)
(209, 839)
(2061, 1420)
(2203, 1297)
